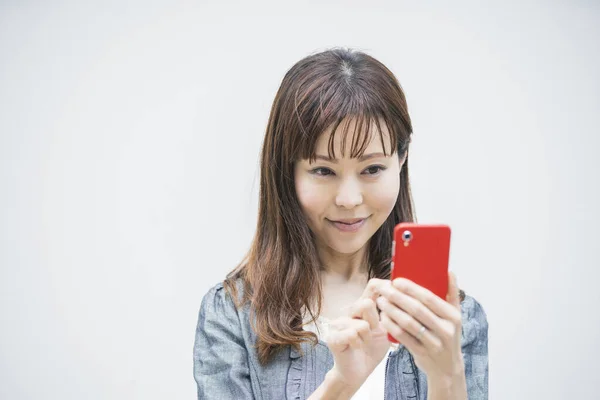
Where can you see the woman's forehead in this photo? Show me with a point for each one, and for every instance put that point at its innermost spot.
(348, 136)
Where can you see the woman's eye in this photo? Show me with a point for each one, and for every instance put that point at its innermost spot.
(374, 169)
(322, 171)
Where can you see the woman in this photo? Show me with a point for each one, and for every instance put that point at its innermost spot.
(307, 313)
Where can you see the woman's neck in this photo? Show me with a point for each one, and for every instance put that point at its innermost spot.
(343, 280)
(339, 268)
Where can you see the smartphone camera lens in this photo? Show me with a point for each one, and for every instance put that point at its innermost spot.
(407, 236)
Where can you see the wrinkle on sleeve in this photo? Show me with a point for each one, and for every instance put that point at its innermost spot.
(221, 365)
(474, 344)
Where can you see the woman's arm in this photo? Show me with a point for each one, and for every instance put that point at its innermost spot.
(358, 343)
(474, 343)
(221, 367)
(471, 378)
(452, 387)
(333, 388)
(442, 336)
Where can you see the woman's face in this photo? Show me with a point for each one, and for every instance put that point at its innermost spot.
(347, 199)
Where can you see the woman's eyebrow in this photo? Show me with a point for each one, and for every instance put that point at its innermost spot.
(362, 158)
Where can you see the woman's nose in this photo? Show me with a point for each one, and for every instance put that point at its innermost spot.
(349, 194)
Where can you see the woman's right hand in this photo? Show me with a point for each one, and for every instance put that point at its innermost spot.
(357, 341)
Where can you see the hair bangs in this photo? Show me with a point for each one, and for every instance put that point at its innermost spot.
(357, 129)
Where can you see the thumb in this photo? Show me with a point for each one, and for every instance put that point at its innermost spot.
(453, 296)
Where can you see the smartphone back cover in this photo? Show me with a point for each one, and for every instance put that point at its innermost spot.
(424, 258)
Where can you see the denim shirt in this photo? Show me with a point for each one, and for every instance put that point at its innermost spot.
(226, 364)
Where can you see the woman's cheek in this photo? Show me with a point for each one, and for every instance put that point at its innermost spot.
(388, 189)
(305, 195)
(310, 198)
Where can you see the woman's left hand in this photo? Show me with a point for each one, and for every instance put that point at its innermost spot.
(406, 307)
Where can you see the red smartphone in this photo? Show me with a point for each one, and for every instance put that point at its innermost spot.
(421, 253)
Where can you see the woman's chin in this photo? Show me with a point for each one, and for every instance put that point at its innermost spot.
(347, 248)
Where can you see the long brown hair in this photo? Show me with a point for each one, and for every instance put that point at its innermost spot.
(280, 273)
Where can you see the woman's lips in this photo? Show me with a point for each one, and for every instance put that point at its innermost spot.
(349, 226)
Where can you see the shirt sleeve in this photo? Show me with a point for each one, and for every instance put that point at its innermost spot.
(221, 365)
(474, 343)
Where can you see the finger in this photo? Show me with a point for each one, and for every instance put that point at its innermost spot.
(408, 340)
(362, 328)
(438, 306)
(355, 336)
(453, 295)
(340, 336)
(410, 311)
(338, 341)
(341, 323)
(371, 315)
(413, 307)
(410, 325)
(351, 337)
(366, 309)
(373, 287)
(346, 325)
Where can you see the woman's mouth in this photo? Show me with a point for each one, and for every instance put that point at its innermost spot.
(348, 225)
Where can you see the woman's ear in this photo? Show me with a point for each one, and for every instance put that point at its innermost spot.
(402, 159)
(404, 156)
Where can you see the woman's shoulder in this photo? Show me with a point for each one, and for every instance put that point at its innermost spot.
(471, 307)
(474, 322)
(220, 297)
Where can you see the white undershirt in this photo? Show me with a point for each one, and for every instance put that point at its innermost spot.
(373, 388)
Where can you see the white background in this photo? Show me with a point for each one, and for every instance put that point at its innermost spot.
(129, 144)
